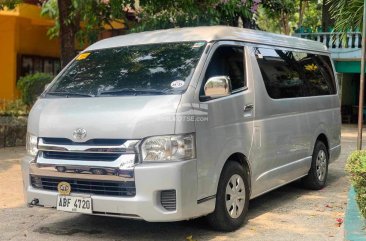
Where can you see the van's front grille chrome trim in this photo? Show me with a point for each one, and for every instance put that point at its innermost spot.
(80, 156)
(107, 163)
(91, 142)
(95, 187)
(91, 146)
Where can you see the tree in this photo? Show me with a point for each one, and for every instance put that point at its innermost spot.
(301, 13)
(282, 16)
(10, 4)
(347, 14)
(312, 15)
(279, 11)
(68, 27)
(182, 13)
(83, 20)
(327, 19)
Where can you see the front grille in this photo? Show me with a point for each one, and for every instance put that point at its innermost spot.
(80, 156)
(168, 199)
(92, 142)
(105, 188)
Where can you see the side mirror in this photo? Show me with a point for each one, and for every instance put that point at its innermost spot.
(217, 86)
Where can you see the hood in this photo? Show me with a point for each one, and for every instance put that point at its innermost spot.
(127, 117)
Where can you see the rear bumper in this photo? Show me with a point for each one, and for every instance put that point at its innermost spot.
(150, 180)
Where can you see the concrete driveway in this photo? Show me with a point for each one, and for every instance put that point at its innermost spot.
(288, 213)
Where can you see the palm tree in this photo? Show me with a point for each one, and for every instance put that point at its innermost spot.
(347, 14)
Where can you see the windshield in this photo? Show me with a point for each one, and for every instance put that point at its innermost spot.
(132, 70)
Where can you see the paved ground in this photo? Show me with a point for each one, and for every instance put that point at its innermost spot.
(289, 213)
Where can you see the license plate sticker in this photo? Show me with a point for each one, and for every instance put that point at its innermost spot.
(74, 204)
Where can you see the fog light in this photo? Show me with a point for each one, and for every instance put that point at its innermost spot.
(168, 199)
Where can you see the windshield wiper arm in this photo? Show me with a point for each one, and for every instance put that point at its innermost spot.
(133, 91)
(68, 94)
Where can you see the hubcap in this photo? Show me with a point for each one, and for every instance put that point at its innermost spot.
(321, 165)
(235, 196)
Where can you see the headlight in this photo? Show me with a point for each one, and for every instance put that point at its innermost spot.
(168, 148)
(31, 144)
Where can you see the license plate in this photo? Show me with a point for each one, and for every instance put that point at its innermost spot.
(74, 204)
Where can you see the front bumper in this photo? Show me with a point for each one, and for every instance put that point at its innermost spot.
(150, 180)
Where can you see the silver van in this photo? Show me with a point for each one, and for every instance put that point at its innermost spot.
(176, 124)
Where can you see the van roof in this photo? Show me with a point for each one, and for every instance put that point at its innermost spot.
(209, 34)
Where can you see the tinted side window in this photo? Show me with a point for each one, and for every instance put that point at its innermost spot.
(227, 61)
(317, 69)
(280, 73)
(290, 74)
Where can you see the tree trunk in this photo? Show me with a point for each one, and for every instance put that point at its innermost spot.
(67, 32)
(301, 14)
(327, 20)
(284, 23)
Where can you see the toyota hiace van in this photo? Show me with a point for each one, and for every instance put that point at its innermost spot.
(176, 124)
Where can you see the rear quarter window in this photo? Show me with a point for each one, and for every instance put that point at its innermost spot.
(291, 74)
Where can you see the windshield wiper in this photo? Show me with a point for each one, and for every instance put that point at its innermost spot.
(132, 91)
(68, 94)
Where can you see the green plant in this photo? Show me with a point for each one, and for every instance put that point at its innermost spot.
(356, 167)
(347, 14)
(31, 86)
(165, 14)
(14, 108)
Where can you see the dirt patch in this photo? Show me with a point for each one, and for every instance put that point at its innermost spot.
(11, 188)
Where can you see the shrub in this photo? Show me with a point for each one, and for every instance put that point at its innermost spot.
(356, 167)
(31, 86)
(14, 108)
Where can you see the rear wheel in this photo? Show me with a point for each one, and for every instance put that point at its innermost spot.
(232, 198)
(317, 176)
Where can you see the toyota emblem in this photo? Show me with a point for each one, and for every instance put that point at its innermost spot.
(79, 134)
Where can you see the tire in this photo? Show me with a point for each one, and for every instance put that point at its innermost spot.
(232, 175)
(317, 176)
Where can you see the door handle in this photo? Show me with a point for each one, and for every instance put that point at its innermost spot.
(249, 107)
(248, 110)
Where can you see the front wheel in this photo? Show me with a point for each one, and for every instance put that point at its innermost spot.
(317, 176)
(232, 198)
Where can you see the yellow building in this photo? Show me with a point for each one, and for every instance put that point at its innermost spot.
(24, 47)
